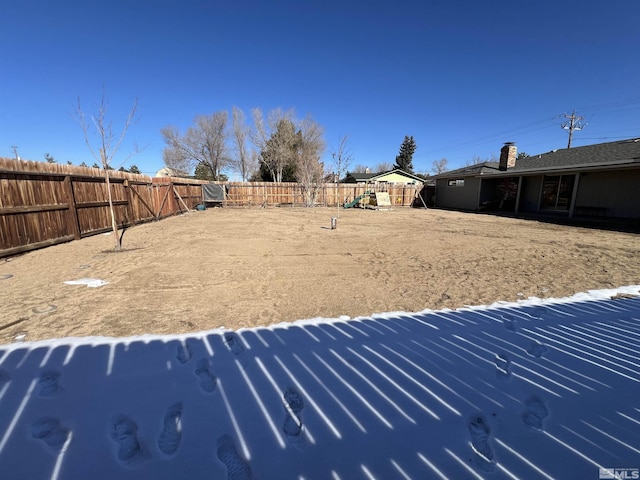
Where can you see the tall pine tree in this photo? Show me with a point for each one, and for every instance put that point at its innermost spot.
(404, 160)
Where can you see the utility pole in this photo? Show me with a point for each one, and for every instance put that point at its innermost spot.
(573, 123)
(15, 151)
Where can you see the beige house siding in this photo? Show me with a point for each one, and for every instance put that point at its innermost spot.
(397, 178)
(166, 172)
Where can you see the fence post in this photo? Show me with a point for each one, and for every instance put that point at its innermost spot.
(129, 208)
(72, 216)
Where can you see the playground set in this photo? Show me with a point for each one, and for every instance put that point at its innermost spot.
(370, 199)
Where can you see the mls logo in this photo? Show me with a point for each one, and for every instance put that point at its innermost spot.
(619, 473)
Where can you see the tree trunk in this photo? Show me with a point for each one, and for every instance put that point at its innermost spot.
(114, 225)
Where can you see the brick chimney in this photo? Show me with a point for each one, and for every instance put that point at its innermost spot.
(508, 156)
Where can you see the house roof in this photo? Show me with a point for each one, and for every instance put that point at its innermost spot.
(601, 155)
(363, 177)
(482, 168)
(167, 172)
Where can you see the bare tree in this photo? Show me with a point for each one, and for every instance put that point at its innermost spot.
(439, 166)
(341, 156)
(245, 161)
(176, 160)
(204, 143)
(474, 161)
(360, 168)
(383, 167)
(477, 159)
(310, 170)
(274, 139)
(254, 162)
(108, 144)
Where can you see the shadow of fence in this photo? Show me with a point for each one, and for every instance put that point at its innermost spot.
(537, 391)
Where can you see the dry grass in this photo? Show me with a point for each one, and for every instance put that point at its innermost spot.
(250, 267)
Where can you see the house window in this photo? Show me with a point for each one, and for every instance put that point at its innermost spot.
(456, 183)
(557, 191)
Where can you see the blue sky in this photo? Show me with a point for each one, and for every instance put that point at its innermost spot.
(461, 76)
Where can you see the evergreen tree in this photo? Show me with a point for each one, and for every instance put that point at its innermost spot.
(278, 157)
(205, 172)
(264, 174)
(404, 160)
(95, 165)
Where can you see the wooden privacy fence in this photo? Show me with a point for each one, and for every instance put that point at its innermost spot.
(329, 194)
(42, 204)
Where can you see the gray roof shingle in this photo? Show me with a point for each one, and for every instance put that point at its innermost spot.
(482, 168)
(610, 154)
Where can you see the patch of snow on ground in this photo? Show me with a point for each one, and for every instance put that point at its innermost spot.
(531, 389)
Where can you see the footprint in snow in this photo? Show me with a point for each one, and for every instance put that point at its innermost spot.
(124, 431)
(293, 405)
(535, 413)
(48, 384)
(536, 349)
(50, 431)
(509, 322)
(171, 435)
(233, 343)
(208, 380)
(480, 433)
(184, 353)
(539, 313)
(237, 467)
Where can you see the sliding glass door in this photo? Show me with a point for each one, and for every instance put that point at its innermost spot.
(556, 192)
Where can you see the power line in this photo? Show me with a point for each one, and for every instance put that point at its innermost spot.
(605, 106)
(616, 106)
(490, 138)
(604, 138)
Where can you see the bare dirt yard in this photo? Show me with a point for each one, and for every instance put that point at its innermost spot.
(235, 268)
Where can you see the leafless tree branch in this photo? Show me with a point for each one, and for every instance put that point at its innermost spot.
(108, 145)
(310, 170)
(204, 143)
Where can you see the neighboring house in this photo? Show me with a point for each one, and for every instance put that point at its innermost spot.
(166, 172)
(171, 172)
(600, 180)
(392, 176)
